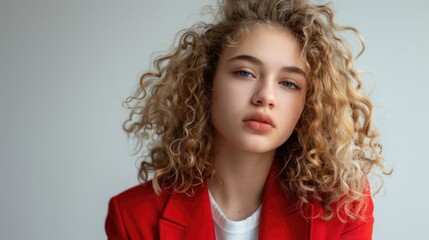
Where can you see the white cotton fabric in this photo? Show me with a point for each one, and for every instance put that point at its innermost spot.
(226, 229)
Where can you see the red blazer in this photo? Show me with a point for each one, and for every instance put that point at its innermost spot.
(138, 213)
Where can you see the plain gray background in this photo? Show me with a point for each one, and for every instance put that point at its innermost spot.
(66, 67)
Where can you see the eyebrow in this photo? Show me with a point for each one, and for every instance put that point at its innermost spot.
(256, 61)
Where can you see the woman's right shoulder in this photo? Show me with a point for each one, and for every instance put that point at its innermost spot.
(135, 212)
(142, 195)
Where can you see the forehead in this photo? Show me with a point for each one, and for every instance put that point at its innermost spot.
(270, 44)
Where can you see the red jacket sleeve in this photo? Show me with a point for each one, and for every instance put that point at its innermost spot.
(114, 225)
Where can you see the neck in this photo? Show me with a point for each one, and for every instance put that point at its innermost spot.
(242, 177)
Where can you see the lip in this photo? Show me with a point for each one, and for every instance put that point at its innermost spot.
(259, 122)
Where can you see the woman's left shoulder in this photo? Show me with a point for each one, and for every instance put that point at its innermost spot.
(342, 226)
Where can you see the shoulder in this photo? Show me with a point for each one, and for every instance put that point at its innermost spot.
(142, 196)
(135, 212)
(343, 227)
(139, 192)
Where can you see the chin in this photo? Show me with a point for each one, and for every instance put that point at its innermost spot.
(258, 148)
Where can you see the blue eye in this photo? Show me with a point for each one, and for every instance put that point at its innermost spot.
(244, 74)
(289, 85)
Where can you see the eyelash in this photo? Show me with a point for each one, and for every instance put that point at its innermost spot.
(293, 87)
(241, 72)
(286, 84)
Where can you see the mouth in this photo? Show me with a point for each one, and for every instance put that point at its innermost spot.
(259, 122)
(261, 118)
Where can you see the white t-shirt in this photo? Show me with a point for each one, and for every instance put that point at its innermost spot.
(226, 229)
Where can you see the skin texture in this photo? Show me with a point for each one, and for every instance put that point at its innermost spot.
(262, 74)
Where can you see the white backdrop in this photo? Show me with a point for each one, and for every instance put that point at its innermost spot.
(66, 67)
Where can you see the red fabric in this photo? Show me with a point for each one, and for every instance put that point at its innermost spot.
(138, 213)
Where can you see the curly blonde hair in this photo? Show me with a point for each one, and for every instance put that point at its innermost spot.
(333, 148)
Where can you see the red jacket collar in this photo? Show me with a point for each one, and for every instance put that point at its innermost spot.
(186, 217)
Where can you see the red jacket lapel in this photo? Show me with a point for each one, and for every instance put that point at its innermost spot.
(281, 217)
(186, 217)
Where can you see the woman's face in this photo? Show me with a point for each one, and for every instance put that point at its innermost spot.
(259, 91)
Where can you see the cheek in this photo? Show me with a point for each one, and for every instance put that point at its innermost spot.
(299, 110)
(220, 103)
(228, 95)
(291, 114)
(298, 115)
(293, 105)
(216, 95)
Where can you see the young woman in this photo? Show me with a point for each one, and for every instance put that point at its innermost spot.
(256, 129)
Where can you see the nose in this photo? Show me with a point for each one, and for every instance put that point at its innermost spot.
(264, 95)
